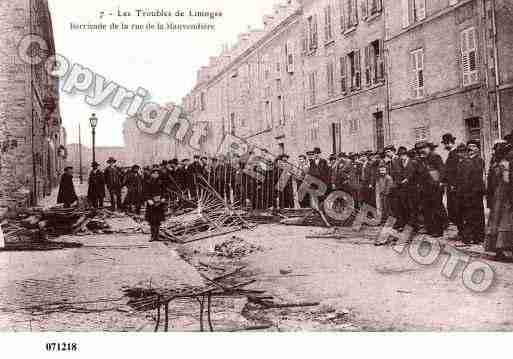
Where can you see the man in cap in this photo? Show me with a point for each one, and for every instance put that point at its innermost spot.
(470, 192)
(431, 170)
(113, 183)
(96, 186)
(449, 180)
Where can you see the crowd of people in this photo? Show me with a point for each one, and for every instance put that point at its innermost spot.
(407, 185)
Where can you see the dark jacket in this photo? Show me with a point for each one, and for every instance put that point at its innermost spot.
(96, 188)
(405, 176)
(469, 177)
(112, 178)
(155, 212)
(451, 168)
(320, 170)
(134, 182)
(67, 194)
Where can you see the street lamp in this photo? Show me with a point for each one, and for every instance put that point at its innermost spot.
(93, 121)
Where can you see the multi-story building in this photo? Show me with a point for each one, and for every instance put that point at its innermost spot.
(31, 135)
(344, 72)
(363, 74)
(255, 89)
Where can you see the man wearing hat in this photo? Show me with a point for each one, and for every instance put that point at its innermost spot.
(431, 170)
(134, 183)
(67, 194)
(405, 175)
(96, 186)
(470, 192)
(449, 179)
(113, 182)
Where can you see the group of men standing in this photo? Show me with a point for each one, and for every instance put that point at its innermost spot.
(406, 187)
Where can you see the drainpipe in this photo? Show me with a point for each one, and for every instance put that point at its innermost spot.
(497, 72)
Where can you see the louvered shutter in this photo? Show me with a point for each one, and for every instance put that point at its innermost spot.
(343, 76)
(368, 67)
(420, 9)
(406, 12)
(342, 15)
(417, 73)
(469, 57)
(364, 9)
(358, 69)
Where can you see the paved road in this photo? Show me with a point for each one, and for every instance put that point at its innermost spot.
(91, 277)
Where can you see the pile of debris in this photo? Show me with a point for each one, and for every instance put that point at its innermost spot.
(235, 247)
(31, 228)
(211, 217)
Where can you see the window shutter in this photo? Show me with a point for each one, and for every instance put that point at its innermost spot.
(420, 8)
(304, 40)
(469, 57)
(417, 70)
(379, 5)
(380, 63)
(290, 57)
(368, 66)
(406, 12)
(357, 65)
(343, 76)
(342, 15)
(364, 8)
(315, 33)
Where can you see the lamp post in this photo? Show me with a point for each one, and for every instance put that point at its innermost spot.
(93, 121)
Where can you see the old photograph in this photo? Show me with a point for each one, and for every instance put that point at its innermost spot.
(256, 166)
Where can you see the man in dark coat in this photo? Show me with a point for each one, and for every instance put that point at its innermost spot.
(96, 186)
(67, 194)
(135, 184)
(155, 203)
(286, 194)
(449, 180)
(470, 191)
(405, 176)
(113, 182)
(319, 169)
(431, 170)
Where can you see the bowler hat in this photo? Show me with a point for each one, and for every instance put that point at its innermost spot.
(448, 138)
(317, 151)
(95, 164)
(389, 148)
(111, 160)
(402, 151)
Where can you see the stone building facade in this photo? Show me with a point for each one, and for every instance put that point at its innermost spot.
(367, 73)
(31, 134)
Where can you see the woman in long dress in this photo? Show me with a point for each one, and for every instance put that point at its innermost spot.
(499, 236)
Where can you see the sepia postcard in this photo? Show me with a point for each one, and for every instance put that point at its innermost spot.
(331, 169)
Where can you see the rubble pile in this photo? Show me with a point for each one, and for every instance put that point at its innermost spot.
(235, 247)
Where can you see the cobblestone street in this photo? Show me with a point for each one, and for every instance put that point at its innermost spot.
(87, 282)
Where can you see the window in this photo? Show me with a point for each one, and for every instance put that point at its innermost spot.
(343, 76)
(281, 109)
(268, 114)
(232, 123)
(421, 133)
(351, 13)
(353, 125)
(413, 11)
(379, 131)
(336, 136)
(312, 87)
(374, 64)
(328, 31)
(374, 6)
(469, 57)
(202, 101)
(312, 33)
(355, 69)
(289, 57)
(313, 132)
(278, 85)
(417, 73)
(330, 74)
